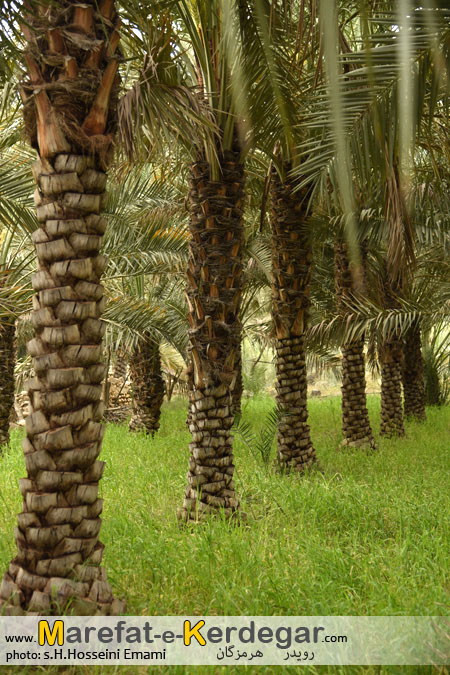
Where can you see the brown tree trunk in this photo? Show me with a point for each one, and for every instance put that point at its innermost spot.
(291, 267)
(7, 386)
(391, 388)
(355, 417)
(413, 382)
(214, 291)
(391, 357)
(147, 386)
(68, 115)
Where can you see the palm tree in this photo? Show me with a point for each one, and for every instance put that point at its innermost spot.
(148, 387)
(230, 55)
(291, 262)
(291, 44)
(72, 60)
(355, 417)
(214, 274)
(214, 292)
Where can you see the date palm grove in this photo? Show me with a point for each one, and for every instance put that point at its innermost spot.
(278, 181)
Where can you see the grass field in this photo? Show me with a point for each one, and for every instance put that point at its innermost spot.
(369, 535)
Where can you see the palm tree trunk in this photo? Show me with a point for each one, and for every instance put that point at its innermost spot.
(391, 357)
(355, 417)
(391, 388)
(214, 291)
(7, 387)
(291, 264)
(148, 387)
(71, 123)
(413, 382)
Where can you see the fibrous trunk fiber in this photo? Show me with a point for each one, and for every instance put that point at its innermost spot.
(214, 290)
(7, 386)
(413, 382)
(147, 386)
(355, 417)
(291, 270)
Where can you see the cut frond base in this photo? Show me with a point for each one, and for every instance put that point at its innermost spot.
(295, 448)
(210, 486)
(213, 294)
(391, 390)
(85, 593)
(57, 567)
(355, 417)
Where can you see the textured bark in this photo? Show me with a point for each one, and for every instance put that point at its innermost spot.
(148, 387)
(214, 291)
(291, 273)
(391, 388)
(7, 387)
(57, 566)
(413, 382)
(391, 357)
(355, 417)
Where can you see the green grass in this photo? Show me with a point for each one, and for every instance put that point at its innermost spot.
(371, 535)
